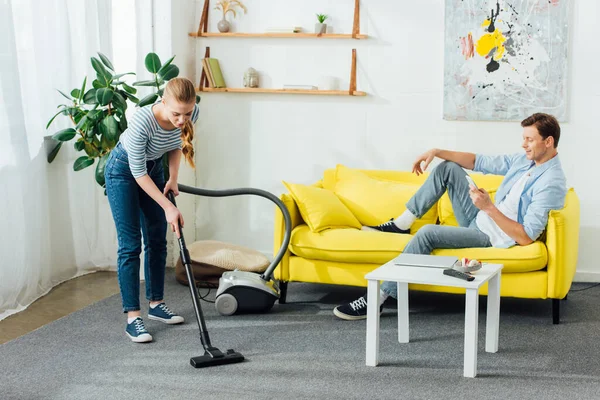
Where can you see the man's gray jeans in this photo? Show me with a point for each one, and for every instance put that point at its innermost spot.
(446, 176)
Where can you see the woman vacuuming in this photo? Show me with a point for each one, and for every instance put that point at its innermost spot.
(136, 190)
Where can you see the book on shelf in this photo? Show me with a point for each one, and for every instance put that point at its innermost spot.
(300, 87)
(212, 69)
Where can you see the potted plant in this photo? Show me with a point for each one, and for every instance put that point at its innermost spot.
(98, 114)
(321, 26)
(228, 6)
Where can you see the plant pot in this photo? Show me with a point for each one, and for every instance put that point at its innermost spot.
(223, 25)
(320, 28)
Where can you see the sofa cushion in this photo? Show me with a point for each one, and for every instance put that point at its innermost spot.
(355, 246)
(375, 201)
(488, 182)
(320, 208)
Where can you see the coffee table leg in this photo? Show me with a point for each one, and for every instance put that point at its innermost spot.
(402, 312)
(471, 325)
(372, 323)
(492, 324)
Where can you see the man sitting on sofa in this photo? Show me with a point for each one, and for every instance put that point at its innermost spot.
(534, 184)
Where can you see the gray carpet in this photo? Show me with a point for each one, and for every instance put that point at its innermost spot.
(300, 351)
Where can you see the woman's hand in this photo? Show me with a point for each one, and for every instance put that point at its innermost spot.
(174, 218)
(426, 157)
(171, 186)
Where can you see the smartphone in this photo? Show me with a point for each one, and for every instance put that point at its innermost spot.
(471, 181)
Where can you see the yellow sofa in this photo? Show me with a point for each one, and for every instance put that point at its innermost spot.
(342, 255)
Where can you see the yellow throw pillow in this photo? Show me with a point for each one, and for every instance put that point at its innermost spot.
(375, 201)
(321, 208)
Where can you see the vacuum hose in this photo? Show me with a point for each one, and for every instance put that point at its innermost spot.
(268, 274)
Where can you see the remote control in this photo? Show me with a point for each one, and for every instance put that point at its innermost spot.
(458, 274)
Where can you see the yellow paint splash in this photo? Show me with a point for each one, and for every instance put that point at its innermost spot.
(488, 41)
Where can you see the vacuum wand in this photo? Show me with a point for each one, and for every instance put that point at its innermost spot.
(268, 274)
(212, 355)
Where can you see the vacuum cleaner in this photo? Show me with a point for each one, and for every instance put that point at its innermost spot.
(212, 356)
(241, 291)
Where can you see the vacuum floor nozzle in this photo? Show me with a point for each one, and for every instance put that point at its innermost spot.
(215, 357)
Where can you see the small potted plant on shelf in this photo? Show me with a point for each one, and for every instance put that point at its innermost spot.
(228, 6)
(321, 26)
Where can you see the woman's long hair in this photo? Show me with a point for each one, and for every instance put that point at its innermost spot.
(183, 91)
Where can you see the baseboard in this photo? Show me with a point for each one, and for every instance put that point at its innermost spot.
(587, 276)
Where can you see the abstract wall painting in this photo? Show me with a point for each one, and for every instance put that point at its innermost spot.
(505, 59)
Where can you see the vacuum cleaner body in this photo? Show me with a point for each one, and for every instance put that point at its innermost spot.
(245, 292)
(242, 291)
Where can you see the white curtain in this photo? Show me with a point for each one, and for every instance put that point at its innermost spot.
(55, 223)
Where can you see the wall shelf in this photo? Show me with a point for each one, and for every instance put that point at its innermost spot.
(278, 35)
(204, 83)
(203, 28)
(282, 91)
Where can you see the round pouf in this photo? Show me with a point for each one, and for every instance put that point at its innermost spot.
(211, 258)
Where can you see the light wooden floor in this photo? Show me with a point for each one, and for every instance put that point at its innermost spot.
(62, 300)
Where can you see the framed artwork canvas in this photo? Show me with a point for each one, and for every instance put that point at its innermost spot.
(505, 60)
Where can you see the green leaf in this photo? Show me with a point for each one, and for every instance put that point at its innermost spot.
(119, 102)
(61, 92)
(100, 70)
(198, 98)
(129, 89)
(109, 128)
(144, 83)
(96, 84)
(122, 124)
(106, 61)
(131, 97)
(54, 152)
(152, 62)
(93, 114)
(82, 91)
(169, 73)
(75, 93)
(64, 135)
(90, 97)
(120, 75)
(100, 169)
(104, 96)
(82, 162)
(81, 123)
(52, 119)
(151, 98)
(166, 64)
(72, 111)
(79, 145)
(90, 149)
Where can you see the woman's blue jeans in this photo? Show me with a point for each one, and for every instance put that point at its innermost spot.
(451, 177)
(137, 216)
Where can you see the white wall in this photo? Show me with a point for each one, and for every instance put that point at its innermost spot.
(259, 139)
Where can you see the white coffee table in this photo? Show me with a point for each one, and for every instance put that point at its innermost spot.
(434, 276)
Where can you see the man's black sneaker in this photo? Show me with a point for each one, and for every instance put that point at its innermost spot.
(388, 227)
(354, 310)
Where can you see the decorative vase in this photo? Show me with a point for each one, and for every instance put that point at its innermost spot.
(223, 25)
(320, 28)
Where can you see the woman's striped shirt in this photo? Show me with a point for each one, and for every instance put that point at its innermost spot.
(145, 140)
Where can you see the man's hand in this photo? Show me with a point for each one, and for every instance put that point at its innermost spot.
(171, 186)
(427, 158)
(481, 198)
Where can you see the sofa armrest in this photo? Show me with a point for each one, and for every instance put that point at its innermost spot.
(279, 231)
(562, 242)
